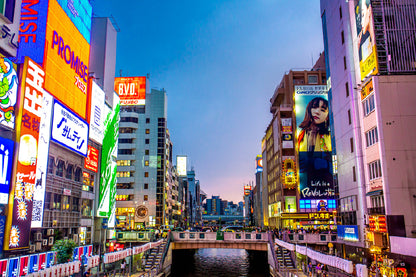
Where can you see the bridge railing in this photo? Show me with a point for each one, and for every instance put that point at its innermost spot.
(212, 236)
(311, 238)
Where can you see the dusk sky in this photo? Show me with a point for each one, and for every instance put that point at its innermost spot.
(219, 61)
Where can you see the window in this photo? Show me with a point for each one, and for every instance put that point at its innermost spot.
(125, 141)
(347, 89)
(51, 163)
(348, 204)
(56, 205)
(147, 120)
(124, 174)
(75, 204)
(349, 117)
(354, 177)
(345, 63)
(78, 173)
(369, 105)
(313, 79)
(147, 131)
(146, 174)
(88, 182)
(48, 197)
(86, 207)
(340, 12)
(69, 169)
(146, 198)
(123, 163)
(146, 163)
(65, 203)
(352, 144)
(126, 130)
(147, 141)
(371, 137)
(146, 152)
(125, 151)
(342, 37)
(129, 119)
(146, 186)
(374, 170)
(60, 169)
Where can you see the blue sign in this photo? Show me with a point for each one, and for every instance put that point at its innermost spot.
(50, 258)
(6, 164)
(32, 33)
(13, 270)
(348, 232)
(69, 130)
(33, 263)
(75, 256)
(80, 13)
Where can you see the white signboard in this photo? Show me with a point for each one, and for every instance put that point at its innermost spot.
(42, 164)
(69, 130)
(97, 113)
(181, 165)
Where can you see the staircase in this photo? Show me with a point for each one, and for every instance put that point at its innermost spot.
(284, 258)
(154, 258)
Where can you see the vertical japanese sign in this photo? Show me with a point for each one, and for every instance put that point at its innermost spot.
(21, 198)
(91, 161)
(97, 115)
(69, 130)
(106, 204)
(8, 92)
(314, 142)
(42, 164)
(6, 164)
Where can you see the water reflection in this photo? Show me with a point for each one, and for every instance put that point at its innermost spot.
(219, 263)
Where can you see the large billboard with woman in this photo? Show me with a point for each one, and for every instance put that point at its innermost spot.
(314, 142)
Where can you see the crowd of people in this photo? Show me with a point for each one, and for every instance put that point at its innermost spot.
(282, 234)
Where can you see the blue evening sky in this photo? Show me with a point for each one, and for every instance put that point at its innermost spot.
(219, 61)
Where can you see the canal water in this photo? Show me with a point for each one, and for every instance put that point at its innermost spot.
(214, 262)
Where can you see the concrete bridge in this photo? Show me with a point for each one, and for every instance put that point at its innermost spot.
(237, 240)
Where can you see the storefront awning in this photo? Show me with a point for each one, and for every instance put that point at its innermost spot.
(375, 192)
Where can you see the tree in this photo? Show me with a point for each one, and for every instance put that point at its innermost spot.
(65, 249)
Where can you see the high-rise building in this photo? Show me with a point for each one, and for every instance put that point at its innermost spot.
(143, 161)
(370, 61)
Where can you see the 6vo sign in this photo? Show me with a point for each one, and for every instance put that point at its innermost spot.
(132, 90)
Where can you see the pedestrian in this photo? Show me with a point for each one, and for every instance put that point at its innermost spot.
(310, 269)
(123, 266)
(87, 273)
(319, 270)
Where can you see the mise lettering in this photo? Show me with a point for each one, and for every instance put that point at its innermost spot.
(28, 20)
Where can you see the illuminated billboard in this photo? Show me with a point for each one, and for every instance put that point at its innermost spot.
(69, 130)
(289, 172)
(8, 93)
(80, 13)
(6, 165)
(365, 39)
(91, 161)
(66, 61)
(132, 90)
(96, 116)
(21, 199)
(290, 204)
(247, 190)
(181, 164)
(108, 170)
(314, 142)
(43, 157)
(259, 164)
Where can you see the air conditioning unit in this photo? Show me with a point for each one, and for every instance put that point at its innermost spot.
(32, 248)
(50, 241)
(75, 238)
(44, 242)
(50, 232)
(38, 236)
(38, 246)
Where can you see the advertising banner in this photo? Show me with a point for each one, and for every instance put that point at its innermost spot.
(6, 165)
(23, 266)
(97, 115)
(80, 13)
(69, 130)
(108, 184)
(259, 164)
(365, 39)
(67, 60)
(132, 90)
(290, 204)
(32, 31)
(20, 218)
(9, 22)
(378, 223)
(13, 268)
(91, 161)
(50, 259)
(43, 157)
(33, 263)
(314, 142)
(348, 232)
(3, 267)
(181, 162)
(289, 175)
(42, 261)
(8, 96)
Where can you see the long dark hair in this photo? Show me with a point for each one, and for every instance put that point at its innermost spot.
(307, 121)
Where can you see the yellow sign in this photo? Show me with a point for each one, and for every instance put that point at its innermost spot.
(320, 216)
(367, 90)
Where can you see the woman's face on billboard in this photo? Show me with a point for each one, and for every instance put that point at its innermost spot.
(319, 113)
